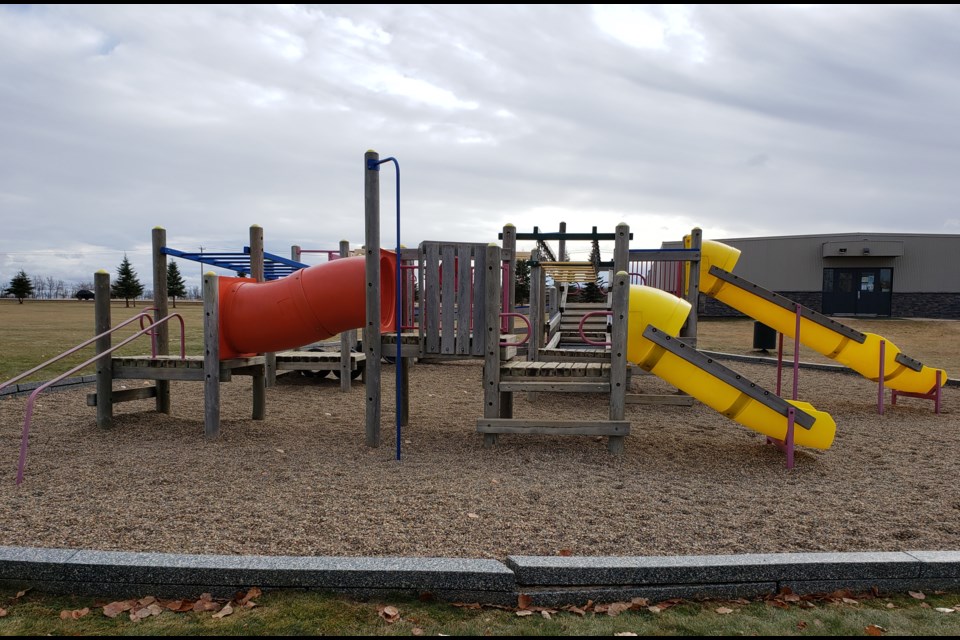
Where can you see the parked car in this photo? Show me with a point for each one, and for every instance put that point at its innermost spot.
(84, 294)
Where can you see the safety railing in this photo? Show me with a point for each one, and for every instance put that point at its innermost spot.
(583, 337)
(148, 330)
(525, 338)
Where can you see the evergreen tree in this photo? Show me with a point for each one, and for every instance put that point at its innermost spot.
(127, 285)
(593, 292)
(175, 284)
(523, 282)
(20, 286)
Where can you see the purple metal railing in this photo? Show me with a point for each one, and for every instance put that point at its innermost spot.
(25, 437)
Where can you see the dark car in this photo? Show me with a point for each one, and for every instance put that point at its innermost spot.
(84, 294)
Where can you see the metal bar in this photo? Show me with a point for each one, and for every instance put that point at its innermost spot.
(730, 377)
(564, 236)
(796, 356)
(880, 377)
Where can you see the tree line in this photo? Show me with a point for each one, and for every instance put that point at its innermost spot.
(126, 286)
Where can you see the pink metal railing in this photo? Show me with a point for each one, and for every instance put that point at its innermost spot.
(529, 329)
(584, 319)
(659, 274)
(148, 330)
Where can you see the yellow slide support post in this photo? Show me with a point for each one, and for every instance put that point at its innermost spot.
(835, 340)
(655, 319)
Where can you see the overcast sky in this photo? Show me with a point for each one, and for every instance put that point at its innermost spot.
(742, 120)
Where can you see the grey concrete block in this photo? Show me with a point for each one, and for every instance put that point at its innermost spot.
(866, 585)
(29, 386)
(8, 391)
(938, 564)
(26, 563)
(677, 570)
(289, 571)
(555, 597)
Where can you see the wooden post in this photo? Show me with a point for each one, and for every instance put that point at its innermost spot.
(269, 377)
(211, 355)
(371, 330)
(347, 338)
(618, 352)
(491, 333)
(689, 330)
(536, 311)
(510, 247)
(161, 310)
(621, 248)
(101, 305)
(562, 249)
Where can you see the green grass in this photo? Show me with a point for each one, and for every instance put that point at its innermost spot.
(35, 331)
(311, 613)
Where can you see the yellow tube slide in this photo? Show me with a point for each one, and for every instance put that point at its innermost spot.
(667, 313)
(862, 357)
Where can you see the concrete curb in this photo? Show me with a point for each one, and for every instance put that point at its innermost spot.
(26, 387)
(548, 580)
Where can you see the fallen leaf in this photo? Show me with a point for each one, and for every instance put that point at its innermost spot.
(65, 615)
(142, 613)
(524, 612)
(472, 515)
(279, 450)
(791, 597)
(223, 613)
(467, 605)
(20, 594)
(114, 609)
(546, 614)
(890, 605)
(174, 605)
(944, 610)
(806, 604)
(617, 608)
(874, 630)
(417, 631)
(565, 553)
(186, 606)
(143, 602)
(654, 609)
(390, 614)
(917, 594)
(801, 625)
(494, 481)
(524, 601)
(850, 601)
(637, 603)
(155, 609)
(254, 592)
(625, 633)
(575, 610)
(205, 605)
(723, 610)
(3, 612)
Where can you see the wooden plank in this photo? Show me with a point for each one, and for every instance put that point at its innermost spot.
(558, 386)
(479, 301)
(448, 304)
(431, 297)
(157, 373)
(464, 292)
(555, 427)
(125, 395)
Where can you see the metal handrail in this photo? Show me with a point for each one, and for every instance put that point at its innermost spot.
(529, 329)
(584, 319)
(139, 316)
(25, 437)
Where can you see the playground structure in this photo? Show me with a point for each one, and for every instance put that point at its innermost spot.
(466, 310)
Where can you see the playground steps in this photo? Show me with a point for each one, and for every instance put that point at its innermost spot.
(595, 327)
(564, 377)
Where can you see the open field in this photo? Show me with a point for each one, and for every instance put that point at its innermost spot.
(37, 330)
(303, 483)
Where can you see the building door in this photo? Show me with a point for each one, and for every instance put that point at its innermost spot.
(858, 291)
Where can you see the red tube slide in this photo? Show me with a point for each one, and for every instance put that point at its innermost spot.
(312, 304)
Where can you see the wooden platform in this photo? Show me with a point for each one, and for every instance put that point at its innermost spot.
(175, 368)
(316, 360)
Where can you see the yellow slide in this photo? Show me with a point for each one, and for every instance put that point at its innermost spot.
(858, 351)
(655, 318)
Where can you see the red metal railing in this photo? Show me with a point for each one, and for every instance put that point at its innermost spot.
(584, 319)
(148, 330)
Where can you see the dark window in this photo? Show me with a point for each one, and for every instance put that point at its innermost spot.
(828, 280)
